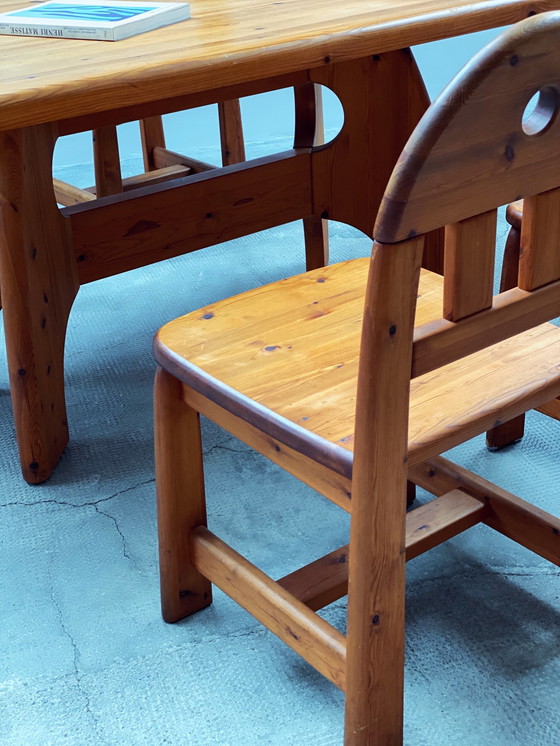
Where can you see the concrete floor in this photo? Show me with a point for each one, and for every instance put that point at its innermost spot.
(84, 655)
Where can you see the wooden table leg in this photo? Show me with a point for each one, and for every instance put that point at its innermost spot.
(383, 97)
(315, 229)
(231, 132)
(39, 284)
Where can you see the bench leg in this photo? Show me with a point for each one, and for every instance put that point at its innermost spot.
(181, 499)
(39, 284)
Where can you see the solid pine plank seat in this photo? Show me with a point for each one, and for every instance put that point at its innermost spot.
(291, 348)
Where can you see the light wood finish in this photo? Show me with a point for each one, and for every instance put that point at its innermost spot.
(164, 158)
(157, 176)
(108, 179)
(219, 47)
(314, 639)
(325, 580)
(513, 312)
(289, 359)
(540, 226)
(68, 194)
(180, 479)
(353, 367)
(375, 644)
(453, 154)
(329, 482)
(469, 266)
(510, 515)
(39, 284)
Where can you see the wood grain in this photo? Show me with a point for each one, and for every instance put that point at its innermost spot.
(470, 246)
(119, 233)
(470, 153)
(518, 519)
(376, 574)
(39, 284)
(441, 342)
(327, 368)
(152, 136)
(511, 431)
(106, 160)
(68, 194)
(377, 124)
(312, 637)
(223, 45)
(539, 260)
(231, 132)
(180, 499)
(325, 580)
(302, 335)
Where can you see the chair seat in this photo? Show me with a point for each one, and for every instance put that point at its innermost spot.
(285, 358)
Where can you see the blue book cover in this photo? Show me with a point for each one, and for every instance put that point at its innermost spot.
(107, 20)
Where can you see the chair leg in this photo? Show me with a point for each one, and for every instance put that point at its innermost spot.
(107, 163)
(512, 431)
(181, 499)
(152, 136)
(231, 132)
(375, 646)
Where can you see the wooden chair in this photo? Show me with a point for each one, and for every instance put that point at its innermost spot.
(441, 361)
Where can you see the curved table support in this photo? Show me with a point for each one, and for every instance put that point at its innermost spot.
(46, 253)
(39, 284)
(383, 97)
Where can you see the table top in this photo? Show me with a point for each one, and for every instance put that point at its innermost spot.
(224, 43)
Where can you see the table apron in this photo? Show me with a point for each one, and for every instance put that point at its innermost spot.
(115, 234)
(180, 103)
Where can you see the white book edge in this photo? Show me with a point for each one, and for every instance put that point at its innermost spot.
(165, 14)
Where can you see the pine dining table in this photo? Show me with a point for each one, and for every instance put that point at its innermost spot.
(51, 87)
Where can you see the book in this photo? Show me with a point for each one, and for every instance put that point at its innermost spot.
(106, 20)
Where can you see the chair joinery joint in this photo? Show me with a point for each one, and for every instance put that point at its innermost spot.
(287, 606)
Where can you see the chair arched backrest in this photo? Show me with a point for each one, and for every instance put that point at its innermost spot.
(478, 148)
(471, 151)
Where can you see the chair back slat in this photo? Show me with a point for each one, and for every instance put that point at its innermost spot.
(469, 266)
(441, 342)
(539, 262)
(483, 143)
(107, 162)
